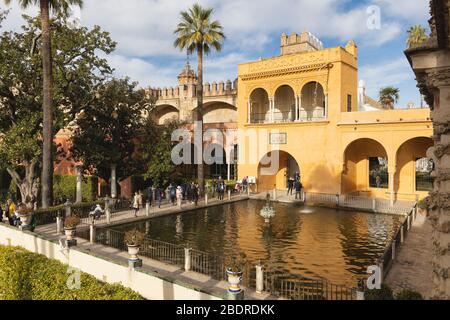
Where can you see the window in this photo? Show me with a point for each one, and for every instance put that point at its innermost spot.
(424, 167)
(378, 173)
(349, 103)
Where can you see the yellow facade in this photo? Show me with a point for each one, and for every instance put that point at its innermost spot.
(310, 100)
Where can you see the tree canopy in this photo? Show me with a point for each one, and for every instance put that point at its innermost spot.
(78, 70)
(108, 129)
(389, 96)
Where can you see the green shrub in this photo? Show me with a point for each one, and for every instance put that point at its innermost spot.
(29, 276)
(385, 293)
(65, 187)
(408, 295)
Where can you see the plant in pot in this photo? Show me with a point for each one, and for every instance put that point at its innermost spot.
(134, 239)
(25, 215)
(235, 265)
(70, 227)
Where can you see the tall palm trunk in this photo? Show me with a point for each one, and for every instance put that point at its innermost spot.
(199, 124)
(47, 161)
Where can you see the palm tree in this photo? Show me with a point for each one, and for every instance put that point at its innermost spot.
(389, 96)
(416, 35)
(47, 100)
(198, 33)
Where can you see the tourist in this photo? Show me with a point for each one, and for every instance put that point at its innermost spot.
(297, 176)
(298, 190)
(136, 204)
(150, 195)
(179, 195)
(172, 194)
(245, 185)
(378, 182)
(159, 196)
(290, 184)
(9, 212)
(195, 195)
(221, 189)
(97, 212)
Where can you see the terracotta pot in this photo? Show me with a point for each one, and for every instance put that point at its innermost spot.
(25, 219)
(70, 233)
(234, 281)
(133, 251)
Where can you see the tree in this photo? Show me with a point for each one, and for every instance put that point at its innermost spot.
(197, 33)
(416, 35)
(157, 152)
(47, 100)
(78, 70)
(389, 96)
(108, 129)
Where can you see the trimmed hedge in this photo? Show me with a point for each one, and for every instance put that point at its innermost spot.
(65, 187)
(28, 276)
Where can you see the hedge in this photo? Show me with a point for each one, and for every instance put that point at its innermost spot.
(29, 276)
(65, 187)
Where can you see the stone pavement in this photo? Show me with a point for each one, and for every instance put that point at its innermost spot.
(412, 269)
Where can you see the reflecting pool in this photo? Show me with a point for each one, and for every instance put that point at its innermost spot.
(309, 241)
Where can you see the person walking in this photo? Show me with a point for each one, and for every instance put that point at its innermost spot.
(136, 204)
(298, 190)
(150, 195)
(195, 195)
(290, 184)
(221, 190)
(179, 196)
(159, 196)
(172, 194)
(245, 185)
(9, 212)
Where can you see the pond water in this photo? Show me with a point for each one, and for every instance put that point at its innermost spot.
(309, 241)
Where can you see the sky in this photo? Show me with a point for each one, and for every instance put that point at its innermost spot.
(144, 32)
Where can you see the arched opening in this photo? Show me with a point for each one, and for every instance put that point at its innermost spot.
(284, 104)
(165, 113)
(413, 174)
(259, 106)
(365, 168)
(275, 168)
(217, 162)
(218, 112)
(313, 105)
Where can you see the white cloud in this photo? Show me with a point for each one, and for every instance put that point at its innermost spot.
(144, 30)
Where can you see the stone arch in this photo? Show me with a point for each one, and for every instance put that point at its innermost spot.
(313, 102)
(359, 174)
(409, 179)
(275, 168)
(259, 106)
(284, 104)
(164, 113)
(218, 112)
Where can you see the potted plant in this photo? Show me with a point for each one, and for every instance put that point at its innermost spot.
(134, 239)
(25, 215)
(70, 227)
(235, 266)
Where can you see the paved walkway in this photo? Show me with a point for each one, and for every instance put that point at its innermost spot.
(412, 269)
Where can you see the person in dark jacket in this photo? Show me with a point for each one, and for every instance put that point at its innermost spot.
(195, 195)
(290, 184)
(173, 194)
(298, 190)
(158, 196)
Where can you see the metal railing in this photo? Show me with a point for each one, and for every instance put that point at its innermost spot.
(390, 254)
(358, 203)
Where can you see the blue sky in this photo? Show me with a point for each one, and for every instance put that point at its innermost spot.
(144, 31)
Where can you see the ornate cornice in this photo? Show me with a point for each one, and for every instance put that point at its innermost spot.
(286, 71)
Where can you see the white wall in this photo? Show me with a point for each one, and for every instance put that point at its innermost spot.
(150, 287)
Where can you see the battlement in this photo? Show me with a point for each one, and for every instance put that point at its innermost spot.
(295, 43)
(209, 90)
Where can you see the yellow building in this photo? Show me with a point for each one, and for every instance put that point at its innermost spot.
(304, 104)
